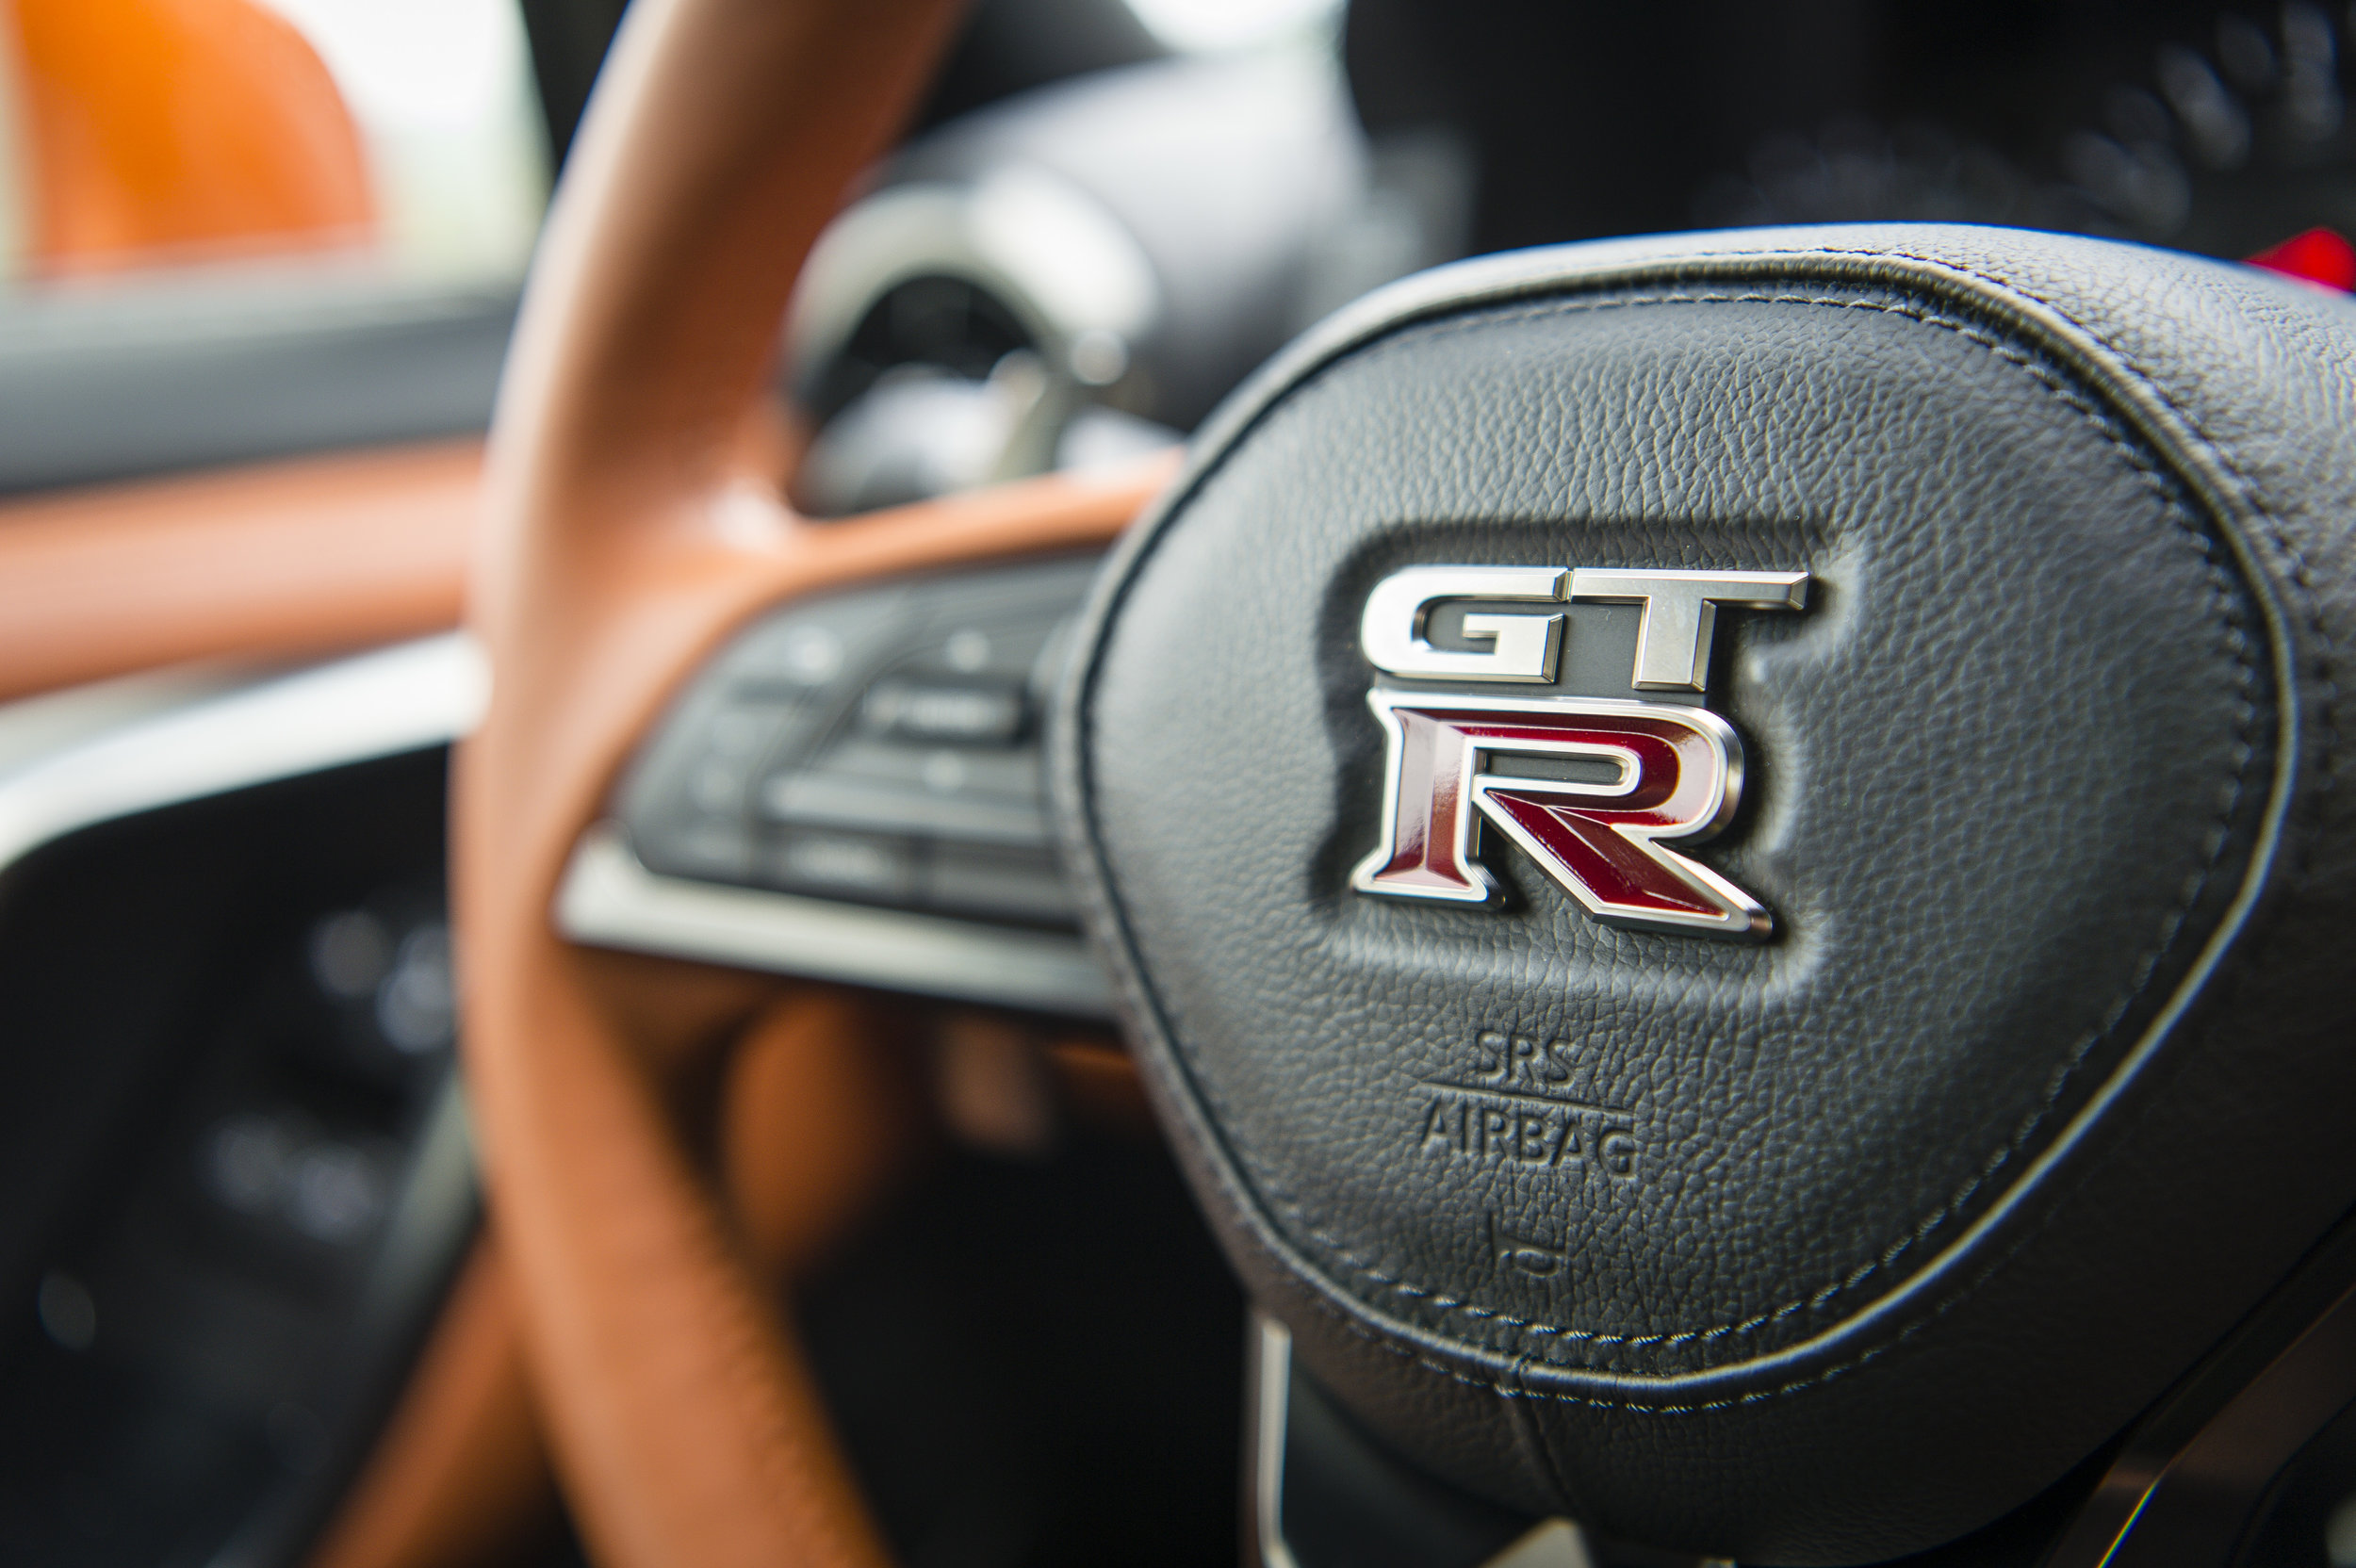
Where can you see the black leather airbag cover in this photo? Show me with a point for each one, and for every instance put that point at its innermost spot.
(1869, 1231)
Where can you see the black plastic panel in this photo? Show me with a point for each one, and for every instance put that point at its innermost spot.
(235, 1171)
(880, 747)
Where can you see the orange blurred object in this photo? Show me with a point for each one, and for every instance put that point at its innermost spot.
(164, 130)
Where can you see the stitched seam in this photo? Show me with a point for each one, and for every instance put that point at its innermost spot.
(1519, 1389)
(2146, 474)
(2303, 574)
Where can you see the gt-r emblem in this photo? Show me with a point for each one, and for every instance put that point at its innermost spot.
(1663, 773)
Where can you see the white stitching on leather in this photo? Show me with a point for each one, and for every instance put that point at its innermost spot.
(2166, 492)
(2303, 574)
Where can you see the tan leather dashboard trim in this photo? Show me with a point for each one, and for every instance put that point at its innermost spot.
(267, 562)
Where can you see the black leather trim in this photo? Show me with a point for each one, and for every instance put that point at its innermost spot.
(2004, 1305)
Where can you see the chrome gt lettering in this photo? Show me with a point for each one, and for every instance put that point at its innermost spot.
(1682, 614)
(1675, 771)
(1521, 647)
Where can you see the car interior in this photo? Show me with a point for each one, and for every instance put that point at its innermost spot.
(1316, 783)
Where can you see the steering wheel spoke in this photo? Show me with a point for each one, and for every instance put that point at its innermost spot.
(632, 529)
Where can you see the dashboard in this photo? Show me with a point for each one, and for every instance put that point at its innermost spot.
(242, 1164)
(233, 1115)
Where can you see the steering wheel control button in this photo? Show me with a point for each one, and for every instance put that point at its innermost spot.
(860, 864)
(1673, 774)
(816, 648)
(1007, 884)
(1946, 615)
(967, 650)
(848, 800)
(942, 712)
(717, 847)
(878, 746)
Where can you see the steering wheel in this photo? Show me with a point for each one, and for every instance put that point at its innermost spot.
(1723, 855)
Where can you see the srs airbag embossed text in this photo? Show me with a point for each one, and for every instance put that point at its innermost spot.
(1509, 1109)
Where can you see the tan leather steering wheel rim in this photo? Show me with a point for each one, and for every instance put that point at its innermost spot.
(625, 536)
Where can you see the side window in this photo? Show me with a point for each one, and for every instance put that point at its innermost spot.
(398, 137)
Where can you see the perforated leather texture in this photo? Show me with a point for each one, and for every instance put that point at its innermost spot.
(1833, 1245)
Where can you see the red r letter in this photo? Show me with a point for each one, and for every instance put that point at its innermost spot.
(1680, 776)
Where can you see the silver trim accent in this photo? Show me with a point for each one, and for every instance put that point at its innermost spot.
(1680, 615)
(92, 754)
(1052, 252)
(610, 899)
(1549, 1544)
(1560, 1544)
(403, 698)
(1393, 633)
(1270, 1348)
(2186, 1493)
(1673, 637)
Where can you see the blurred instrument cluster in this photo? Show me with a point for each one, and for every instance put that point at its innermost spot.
(1069, 278)
(1076, 274)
